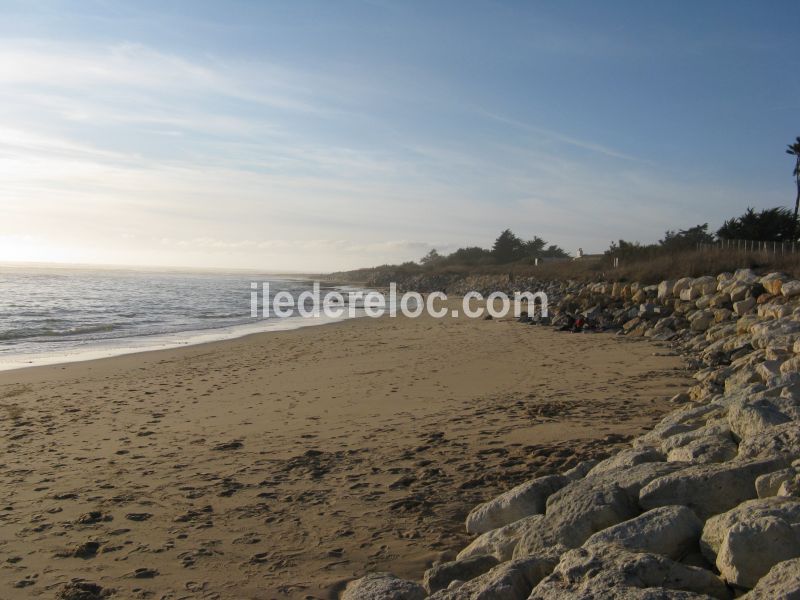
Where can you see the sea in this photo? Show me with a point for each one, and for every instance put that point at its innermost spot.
(51, 315)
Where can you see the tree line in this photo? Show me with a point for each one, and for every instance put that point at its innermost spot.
(768, 225)
(507, 248)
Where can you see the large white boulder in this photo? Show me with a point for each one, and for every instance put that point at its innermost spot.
(500, 542)
(669, 530)
(680, 285)
(783, 331)
(587, 506)
(689, 294)
(751, 548)
(791, 288)
(526, 499)
(438, 577)
(708, 489)
(680, 421)
(628, 457)
(704, 450)
(773, 282)
(605, 571)
(738, 291)
(512, 580)
(748, 417)
(716, 528)
(705, 285)
(781, 583)
(701, 320)
(747, 276)
(384, 586)
(665, 289)
(570, 521)
(778, 441)
(744, 306)
(770, 484)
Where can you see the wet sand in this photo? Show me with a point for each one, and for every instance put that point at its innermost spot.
(281, 465)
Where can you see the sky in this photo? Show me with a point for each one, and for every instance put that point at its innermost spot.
(317, 136)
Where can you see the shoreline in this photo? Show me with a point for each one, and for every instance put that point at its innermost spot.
(109, 348)
(283, 465)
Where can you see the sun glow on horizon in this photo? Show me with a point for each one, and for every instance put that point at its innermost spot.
(261, 142)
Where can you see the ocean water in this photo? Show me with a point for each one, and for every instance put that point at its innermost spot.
(51, 315)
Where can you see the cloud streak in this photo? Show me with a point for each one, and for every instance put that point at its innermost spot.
(125, 152)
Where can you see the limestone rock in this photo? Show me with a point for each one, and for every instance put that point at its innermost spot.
(630, 478)
(751, 548)
(669, 530)
(704, 450)
(741, 378)
(680, 285)
(439, 577)
(708, 489)
(778, 441)
(742, 307)
(717, 527)
(790, 487)
(705, 285)
(512, 580)
(385, 586)
(747, 276)
(521, 501)
(748, 418)
(781, 583)
(738, 292)
(587, 506)
(773, 282)
(778, 331)
(714, 428)
(689, 294)
(609, 572)
(704, 301)
(569, 522)
(499, 542)
(628, 457)
(701, 320)
(769, 484)
(685, 419)
(790, 288)
(791, 365)
(665, 289)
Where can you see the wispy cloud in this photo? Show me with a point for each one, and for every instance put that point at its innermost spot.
(563, 138)
(139, 155)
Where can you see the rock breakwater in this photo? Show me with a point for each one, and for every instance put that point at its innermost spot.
(705, 505)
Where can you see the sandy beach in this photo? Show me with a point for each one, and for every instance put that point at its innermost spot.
(282, 465)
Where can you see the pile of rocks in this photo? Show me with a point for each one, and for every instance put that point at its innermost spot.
(705, 505)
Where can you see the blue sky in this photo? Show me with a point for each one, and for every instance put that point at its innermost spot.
(326, 135)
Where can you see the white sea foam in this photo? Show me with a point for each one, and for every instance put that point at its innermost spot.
(58, 315)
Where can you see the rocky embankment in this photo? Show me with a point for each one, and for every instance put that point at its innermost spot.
(705, 505)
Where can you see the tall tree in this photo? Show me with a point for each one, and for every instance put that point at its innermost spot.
(686, 239)
(794, 150)
(768, 225)
(431, 258)
(507, 247)
(534, 247)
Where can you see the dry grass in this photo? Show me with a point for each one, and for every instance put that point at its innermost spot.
(691, 263)
(705, 262)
